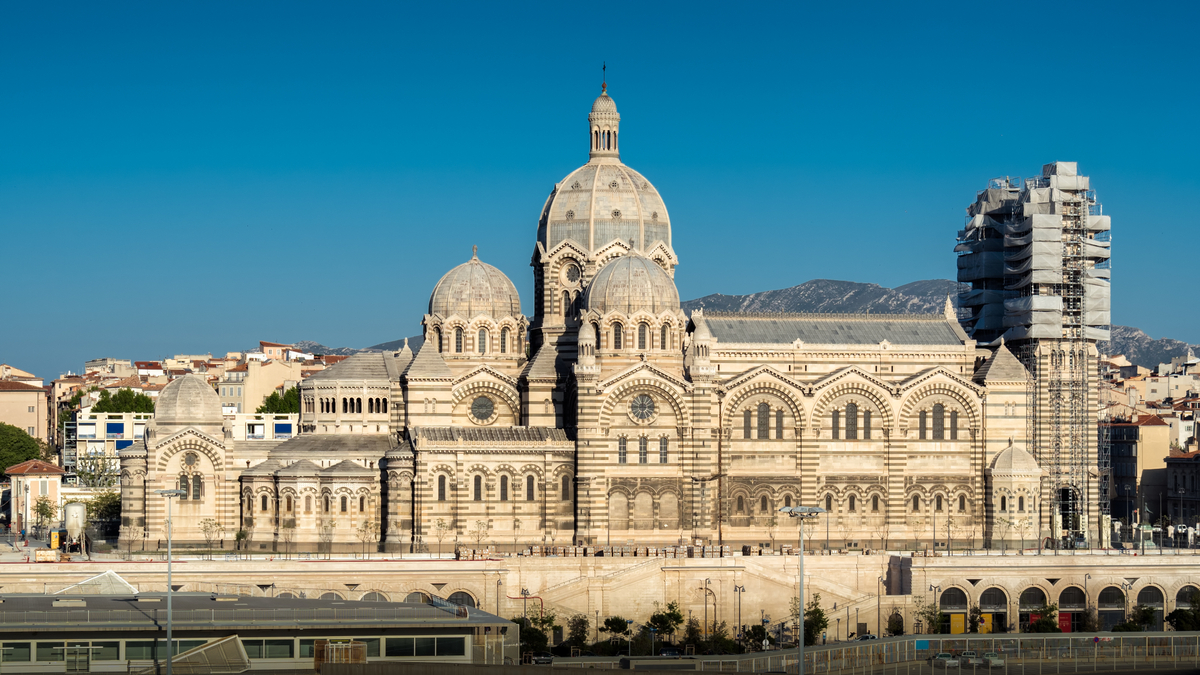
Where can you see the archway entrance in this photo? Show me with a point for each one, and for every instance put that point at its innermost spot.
(1072, 603)
(1032, 599)
(954, 605)
(1110, 607)
(993, 604)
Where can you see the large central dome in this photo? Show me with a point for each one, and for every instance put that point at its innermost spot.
(604, 200)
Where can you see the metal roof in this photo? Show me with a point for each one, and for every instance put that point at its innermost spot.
(900, 329)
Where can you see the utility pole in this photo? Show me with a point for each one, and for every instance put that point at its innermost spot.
(803, 512)
(739, 590)
(167, 494)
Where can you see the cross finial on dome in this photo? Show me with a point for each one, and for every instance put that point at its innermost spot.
(603, 76)
(475, 252)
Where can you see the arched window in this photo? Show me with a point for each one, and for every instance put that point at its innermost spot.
(264, 503)
(183, 485)
(779, 424)
(1020, 504)
(642, 331)
(441, 489)
(662, 450)
(762, 503)
(503, 340)
(787, 501)
(939, 504)
(326, 503)
(939, 422)
(642, 447)
(829, 502)
(851, 421)
(741, 504)
(362, 504)
(875, 503)
(921, 425)
(916, 504)
(566, 488)
(370, 405)
(197, 487)
(482, 342)
(664, 340)
(458, 340)
(837, 423)
(288, 503)
(746, 424)
(954, 425)
(764, 421)
(621, 450)
(358, 405)
(617, 335)
(385, 405)
(566, 304)
(853, 503)
(345, 404)
(478, 488)
(344, 503)
(503, 488)
(529, 488)
(1003, 503)
(308, 503)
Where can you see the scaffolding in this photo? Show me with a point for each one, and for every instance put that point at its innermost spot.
(1036, 253)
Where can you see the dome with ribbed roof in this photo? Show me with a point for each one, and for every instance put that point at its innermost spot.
(629, 284)
(187, 400)
(1014, 460)
(474, 288)
(604, 200)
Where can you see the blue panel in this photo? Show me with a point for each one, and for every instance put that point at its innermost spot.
(283, 428)
(121, 445)
(115, 427)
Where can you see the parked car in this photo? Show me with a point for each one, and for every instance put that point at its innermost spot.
(970, 658)
(866, 636)
(943, 660)
(669, 651)
(542, 658)
(993, 660)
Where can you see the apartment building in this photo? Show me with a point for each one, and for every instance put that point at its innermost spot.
(27, 407)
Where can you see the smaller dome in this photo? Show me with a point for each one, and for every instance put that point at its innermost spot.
(474, 288)
(604, 104)
(629, 284)
(187, 400)
(1015, 460)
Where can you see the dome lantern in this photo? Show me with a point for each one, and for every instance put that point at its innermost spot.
(603, 124)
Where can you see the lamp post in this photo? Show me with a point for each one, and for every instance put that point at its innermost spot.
(801, 512)
(739, 590)
(1174, 540)
(937, 592)
(878, 608)
(708, 590)
(167, 494)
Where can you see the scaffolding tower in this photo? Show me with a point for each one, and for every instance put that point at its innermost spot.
(1036, 253)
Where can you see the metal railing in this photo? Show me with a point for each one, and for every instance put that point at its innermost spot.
(1020, 654)
(155, 616)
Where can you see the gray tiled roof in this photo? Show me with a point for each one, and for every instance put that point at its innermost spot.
(428, 364)
(900, 329)
(346, 467)
(493, 434)
(362, 366)
(325, 446)
(1002, 366)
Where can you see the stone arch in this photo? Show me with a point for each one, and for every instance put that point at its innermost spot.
(865, 389)
(773, 389)
(678, 405)
(187, 441)
(932, 391)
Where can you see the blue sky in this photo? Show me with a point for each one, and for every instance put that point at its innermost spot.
(194, 177)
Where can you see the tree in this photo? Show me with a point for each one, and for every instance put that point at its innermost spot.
(325, 537)
(368, 532)
(1047, 621)
(124, 401)
(755, 635)
(440, 530)
(931, 615)
(212, 531)
(616, 626)
(132, 533)
(281, 405)
(1140, 618)
(666, 621)
(1186, 618)
(239, 538)
(45, 510)
(16, 446)
(533, 638)
(815, 621)
(288, 532)
(895, 624)
(577, 630)
(974, 618)
(480, 531)
(97, 470)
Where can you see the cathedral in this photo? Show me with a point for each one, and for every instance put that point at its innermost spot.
(613, 417)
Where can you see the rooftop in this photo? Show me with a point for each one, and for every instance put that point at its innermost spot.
(786, 328)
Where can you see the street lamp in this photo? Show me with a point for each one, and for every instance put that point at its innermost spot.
(878, 611)
(801, 512)
(1174, 540)
(739, 590)
(167, 494)
(937, 593)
